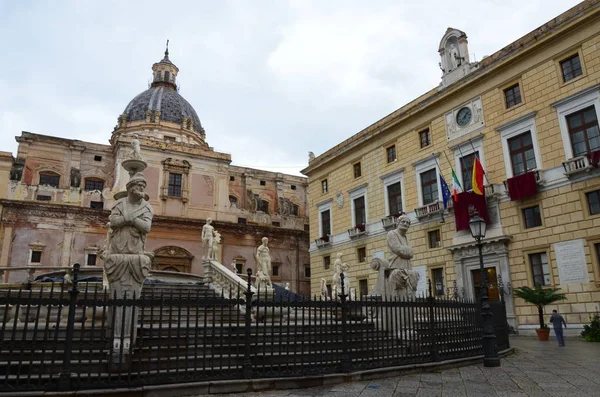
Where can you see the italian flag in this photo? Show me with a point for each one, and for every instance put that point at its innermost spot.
(456, 188)
(477, 179)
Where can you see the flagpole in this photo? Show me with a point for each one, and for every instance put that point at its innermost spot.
(441, 187)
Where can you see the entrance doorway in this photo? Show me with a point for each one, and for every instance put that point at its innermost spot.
(492, 283)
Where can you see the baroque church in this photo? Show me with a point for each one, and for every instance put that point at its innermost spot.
(56, 195)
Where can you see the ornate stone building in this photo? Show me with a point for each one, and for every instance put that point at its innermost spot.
(57, 193)
(529, 112)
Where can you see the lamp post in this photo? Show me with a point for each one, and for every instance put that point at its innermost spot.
(490, 354)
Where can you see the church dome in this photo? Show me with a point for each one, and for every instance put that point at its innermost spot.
(166, 100)
(162, 102)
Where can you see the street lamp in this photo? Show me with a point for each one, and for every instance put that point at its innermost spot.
(490, 354)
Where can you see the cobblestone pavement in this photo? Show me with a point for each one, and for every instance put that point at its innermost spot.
(536, 369)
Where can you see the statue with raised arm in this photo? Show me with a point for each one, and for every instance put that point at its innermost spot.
(208, 234)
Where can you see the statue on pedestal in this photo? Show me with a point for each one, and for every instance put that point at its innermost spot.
(215, 246)
(396, 279)
(208, 234)
(336, 281)
(263, 264)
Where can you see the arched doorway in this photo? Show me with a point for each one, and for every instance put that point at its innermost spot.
(172, 258)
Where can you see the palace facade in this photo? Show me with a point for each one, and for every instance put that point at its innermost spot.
(57, 193)
(529, 112)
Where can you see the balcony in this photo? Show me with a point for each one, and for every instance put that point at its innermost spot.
(524, 185)
(576, 165)
(323, 241)
(357, 231)
(429, 209)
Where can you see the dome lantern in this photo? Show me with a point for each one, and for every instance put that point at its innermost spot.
(165, 72)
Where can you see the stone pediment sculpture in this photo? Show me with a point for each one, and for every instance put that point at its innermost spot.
(126, 263)
(396, 279)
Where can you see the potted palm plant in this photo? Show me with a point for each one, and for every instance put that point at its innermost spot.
(540, 297)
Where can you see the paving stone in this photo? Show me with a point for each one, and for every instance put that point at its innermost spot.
(428, 392)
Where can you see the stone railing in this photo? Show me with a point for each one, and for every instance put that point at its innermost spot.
(357, 231)
(323, 241)
(389, 222)
(224, 281)
(576, 165)
(429, 209)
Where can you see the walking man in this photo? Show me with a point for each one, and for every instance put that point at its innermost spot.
(557, 321)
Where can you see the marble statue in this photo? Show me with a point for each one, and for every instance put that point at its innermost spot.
(126, 263)
(396, 279)
(208, 235)
(346, 282)
(234, 266)
(311, 156)
(215, 246)
(263, 262)
(336, 281)
(135, 144)
(324, 291)
(287, 286)
(454, 57)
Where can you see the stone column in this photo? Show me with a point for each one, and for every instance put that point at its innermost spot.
(65, 257)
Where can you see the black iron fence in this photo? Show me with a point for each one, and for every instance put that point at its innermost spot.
(62, 337)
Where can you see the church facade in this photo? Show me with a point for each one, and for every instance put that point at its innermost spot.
(57, 193)
(529, 113)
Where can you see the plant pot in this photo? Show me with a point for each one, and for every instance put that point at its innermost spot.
(543, 334)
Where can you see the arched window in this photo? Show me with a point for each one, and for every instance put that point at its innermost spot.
(167, 76)
(233, 201)
(159, 75)
(262, 205)
(49, 178)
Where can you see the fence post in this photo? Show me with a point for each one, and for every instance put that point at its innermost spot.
(346, 364)
(64, 382)
(432, 325)
(247, 365)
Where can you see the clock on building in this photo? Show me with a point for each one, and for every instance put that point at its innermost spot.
(464, 116)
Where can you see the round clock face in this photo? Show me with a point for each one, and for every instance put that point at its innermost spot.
(463, 117)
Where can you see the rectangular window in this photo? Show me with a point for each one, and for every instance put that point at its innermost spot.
(97, 158)
(326, 223)
(239, 267)
(307, 271)
(466, 169)
(391, 154)
(275, 270)
(357, 170)
(429, 187)
(43, 197)
(593, 199)
(93, 184)
(512, 96)
(394, 192)
(425, 138)
(540, 270)
(97, 205)
(242, 221)
(294, 209)
(363, 287)
(231, 178)
(434, 238)
(49, 179)
(293, 187)
(306, 227)
(437, 277)
(276, 224)
(571, 68)
(263, 206)
(522, 155)
(532, 217)
(174, 185)
(324, 186)
(91, 260)
(263, 183)
(583, 131)
(361, 254)
(326, 262)
(36, 256)
(360, 214)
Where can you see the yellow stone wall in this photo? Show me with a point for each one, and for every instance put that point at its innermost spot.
(564, 215)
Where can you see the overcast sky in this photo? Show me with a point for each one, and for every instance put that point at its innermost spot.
(270, 80)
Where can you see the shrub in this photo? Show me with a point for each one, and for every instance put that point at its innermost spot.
(591, 331)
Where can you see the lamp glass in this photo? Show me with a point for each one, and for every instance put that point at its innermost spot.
(478, 227)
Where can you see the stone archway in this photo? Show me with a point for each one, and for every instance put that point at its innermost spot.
(172, 258)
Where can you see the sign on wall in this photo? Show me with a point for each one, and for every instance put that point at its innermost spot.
(570, 260)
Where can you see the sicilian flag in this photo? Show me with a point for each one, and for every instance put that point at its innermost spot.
(477, 178)
(456, 187)
(445, 191)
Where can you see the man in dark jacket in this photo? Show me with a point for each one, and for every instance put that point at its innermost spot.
(557, 321)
